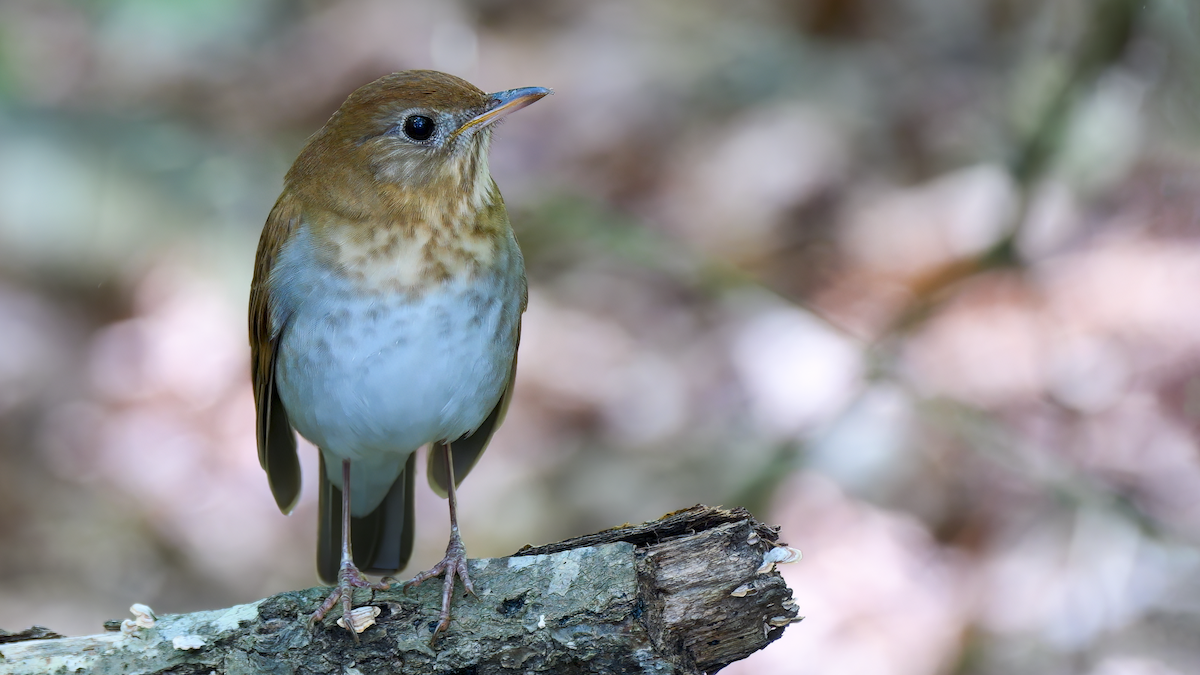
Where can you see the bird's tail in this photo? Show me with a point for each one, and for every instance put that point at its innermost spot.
(382, 540)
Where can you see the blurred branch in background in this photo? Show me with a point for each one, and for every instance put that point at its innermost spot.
(914, 279)
(1106, 35)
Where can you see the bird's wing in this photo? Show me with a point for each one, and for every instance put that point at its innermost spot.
(466, 451)
(276, 440)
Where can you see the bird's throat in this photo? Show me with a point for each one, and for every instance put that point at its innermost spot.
(411, 249)
(406, 230)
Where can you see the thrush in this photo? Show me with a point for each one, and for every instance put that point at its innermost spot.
(385, 314)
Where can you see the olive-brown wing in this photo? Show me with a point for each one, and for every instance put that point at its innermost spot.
(276, 439)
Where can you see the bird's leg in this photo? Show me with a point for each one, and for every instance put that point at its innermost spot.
(349, 578)
(455, 562)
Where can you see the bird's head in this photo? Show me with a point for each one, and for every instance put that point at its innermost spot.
(414, 131)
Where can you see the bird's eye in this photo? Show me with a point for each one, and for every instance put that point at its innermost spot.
(418, 127)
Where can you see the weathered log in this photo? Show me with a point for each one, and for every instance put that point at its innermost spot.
(688, 593)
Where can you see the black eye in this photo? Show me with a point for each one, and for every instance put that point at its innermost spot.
(418, 127)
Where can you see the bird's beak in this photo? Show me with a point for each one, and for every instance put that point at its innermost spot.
(501, 104)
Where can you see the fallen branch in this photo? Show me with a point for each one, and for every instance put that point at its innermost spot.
(688, 593)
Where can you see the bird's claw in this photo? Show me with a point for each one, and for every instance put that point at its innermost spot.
(349, 578)
(453, 565)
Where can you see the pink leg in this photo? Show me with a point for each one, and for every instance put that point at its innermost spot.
(349, 578)
(455, 562)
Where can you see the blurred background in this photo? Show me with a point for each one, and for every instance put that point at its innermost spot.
(918, 280)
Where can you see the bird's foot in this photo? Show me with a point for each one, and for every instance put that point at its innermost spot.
(454, 564)
(349, 578)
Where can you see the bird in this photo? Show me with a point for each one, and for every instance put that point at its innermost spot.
(385, 314)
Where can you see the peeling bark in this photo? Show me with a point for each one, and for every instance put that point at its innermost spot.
(684, 594)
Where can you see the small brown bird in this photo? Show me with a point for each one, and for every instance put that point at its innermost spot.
(385, 314)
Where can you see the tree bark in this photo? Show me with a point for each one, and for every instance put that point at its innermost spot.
(685, 594)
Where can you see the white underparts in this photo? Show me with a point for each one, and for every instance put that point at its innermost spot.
(371, 377)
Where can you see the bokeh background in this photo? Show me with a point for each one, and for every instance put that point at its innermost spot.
(918, 280)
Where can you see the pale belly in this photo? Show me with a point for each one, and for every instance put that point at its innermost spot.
(371, 378)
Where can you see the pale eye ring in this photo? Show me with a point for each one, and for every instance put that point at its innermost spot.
(419, 127)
